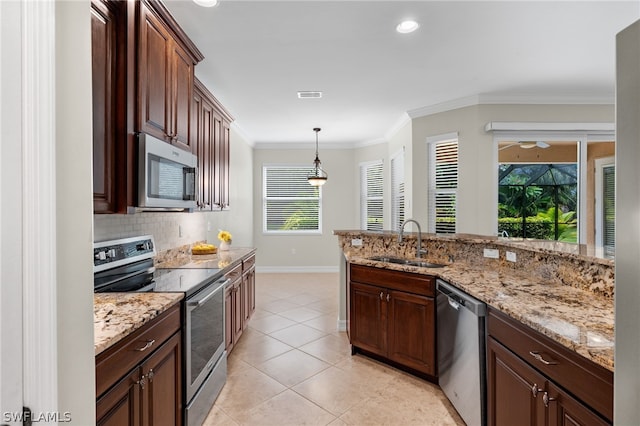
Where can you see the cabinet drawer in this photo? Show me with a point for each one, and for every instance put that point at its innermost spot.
(248, 263)
(395, 280)
(118, 360)
(235, 273)
(586, 380)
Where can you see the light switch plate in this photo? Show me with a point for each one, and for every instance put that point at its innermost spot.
(491, 253)
(356, 242)
(511, 256)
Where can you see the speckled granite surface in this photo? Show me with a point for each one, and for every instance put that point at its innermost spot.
(182, 258)
(566, 297)
(116, 315)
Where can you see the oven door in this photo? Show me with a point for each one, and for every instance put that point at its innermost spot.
(204, 334)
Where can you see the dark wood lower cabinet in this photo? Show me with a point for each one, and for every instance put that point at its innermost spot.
(513, 388)
(239, 300)
(392, 315)
(121, 405)
(533, 381)
(139, 379)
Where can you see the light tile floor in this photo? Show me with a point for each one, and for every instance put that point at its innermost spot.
(292, 367)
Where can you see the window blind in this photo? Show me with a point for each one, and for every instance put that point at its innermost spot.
(371, 200)
(443, 185)
(290, 204)
(397, 191)
(608, 211)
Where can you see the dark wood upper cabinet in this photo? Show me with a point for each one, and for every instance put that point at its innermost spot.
(166, 60)
(210, 136)
(107, 62)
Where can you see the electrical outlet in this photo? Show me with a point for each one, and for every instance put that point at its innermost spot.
(356, 242)
(179, 231)
(511, 256)
(491, 253)
(208, 226)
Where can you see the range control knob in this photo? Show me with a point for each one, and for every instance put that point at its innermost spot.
(111, 253)
(101, 255)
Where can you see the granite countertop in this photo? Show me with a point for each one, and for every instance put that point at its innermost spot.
(116, 315)
(220, 260)
(573, 317)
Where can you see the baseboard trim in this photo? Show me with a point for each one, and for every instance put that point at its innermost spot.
(296, 269)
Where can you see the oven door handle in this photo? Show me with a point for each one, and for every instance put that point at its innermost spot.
(200, 302)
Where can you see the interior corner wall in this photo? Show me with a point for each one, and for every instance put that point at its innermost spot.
(76, 358)
(306, 252)
(476, 210)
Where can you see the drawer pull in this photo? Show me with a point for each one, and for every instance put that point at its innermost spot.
(388, 297)
(147, 346)
(381, 295)
(546, 399)
(535, 390)
(539, 357)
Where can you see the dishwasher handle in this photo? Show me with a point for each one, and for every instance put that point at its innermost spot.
(458, 297)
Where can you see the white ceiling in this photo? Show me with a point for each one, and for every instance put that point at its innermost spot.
(258, 54)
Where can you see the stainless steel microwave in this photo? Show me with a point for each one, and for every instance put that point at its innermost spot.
(167, 176)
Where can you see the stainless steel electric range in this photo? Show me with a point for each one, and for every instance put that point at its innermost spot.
(126, 265)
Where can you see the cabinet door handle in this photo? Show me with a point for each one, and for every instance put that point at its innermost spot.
(546, 399)
(535, 390)
(147, 346)
(539, 357)
(141, 382)
(388, 297)
(150, 375)
(381, 295)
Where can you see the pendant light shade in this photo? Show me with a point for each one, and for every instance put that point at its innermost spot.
(318, 176)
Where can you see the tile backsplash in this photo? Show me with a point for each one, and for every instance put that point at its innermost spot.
(168, 229)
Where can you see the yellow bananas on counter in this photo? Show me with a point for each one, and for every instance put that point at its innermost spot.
(203, 249)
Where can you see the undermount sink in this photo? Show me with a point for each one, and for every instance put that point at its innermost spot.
(401, 261)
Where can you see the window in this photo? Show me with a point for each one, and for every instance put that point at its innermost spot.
(605, 207)
(290, 204)
(397, 191)
(371, 206)
(443, 185)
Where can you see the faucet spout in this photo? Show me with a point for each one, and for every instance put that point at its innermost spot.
(401, 233)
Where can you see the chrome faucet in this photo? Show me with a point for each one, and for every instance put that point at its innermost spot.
(420, 251)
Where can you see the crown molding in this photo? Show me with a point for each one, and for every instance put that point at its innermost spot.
(509, 100)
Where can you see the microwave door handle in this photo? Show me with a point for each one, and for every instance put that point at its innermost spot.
(198, 303)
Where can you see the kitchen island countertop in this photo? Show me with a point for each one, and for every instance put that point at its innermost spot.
(116, 315)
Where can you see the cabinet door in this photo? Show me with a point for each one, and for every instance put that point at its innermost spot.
(163, 390)
(225, 165)
(181, 96)
(514, 389)
(248, 296)
(564, 410)
(104, 61)
(237, 310)
(121, 406)
(411, 323)
(203, 127)
(228, 318)
(217, 162)
(153, 77)
(368, 318)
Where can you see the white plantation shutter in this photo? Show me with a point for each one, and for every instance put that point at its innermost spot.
(290, 204)
(443, 185)
(397, 191)
(371, 201)
(608, 211)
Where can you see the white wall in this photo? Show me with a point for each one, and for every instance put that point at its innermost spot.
(477, 210)
(76, 362)
(402, 141)
(312, 252)
(627, 298)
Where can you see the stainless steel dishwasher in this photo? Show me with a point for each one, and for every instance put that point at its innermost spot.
(461, 352)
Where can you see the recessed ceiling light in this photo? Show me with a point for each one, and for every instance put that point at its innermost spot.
(406, 27)
(206, 3)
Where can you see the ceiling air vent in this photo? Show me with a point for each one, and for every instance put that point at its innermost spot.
(309, 94)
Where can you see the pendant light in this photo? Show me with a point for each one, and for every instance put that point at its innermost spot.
(317, 177)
